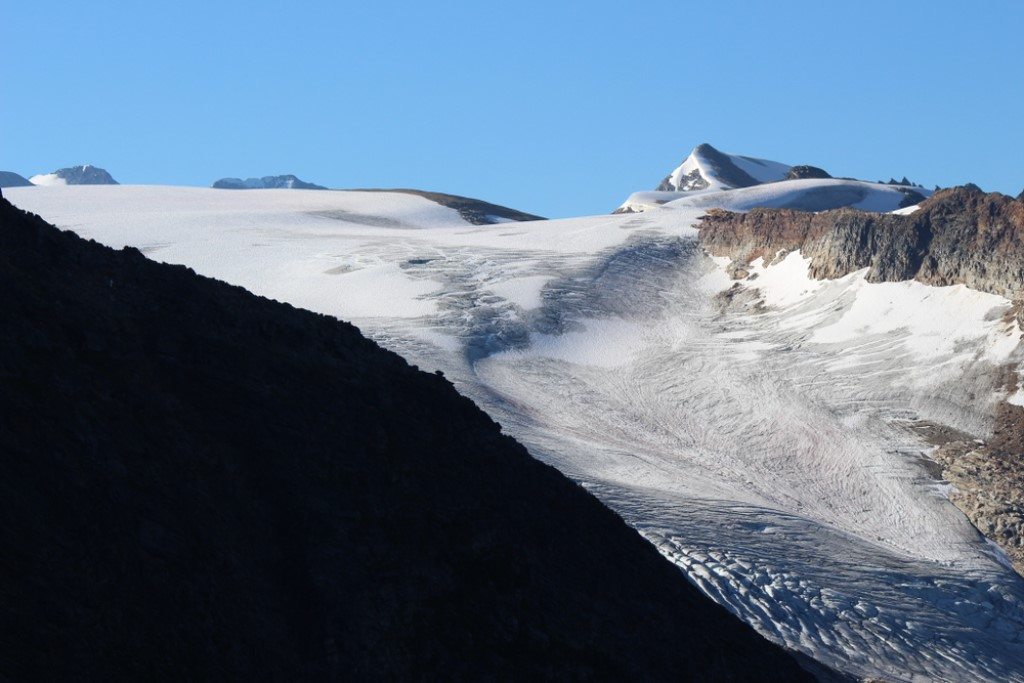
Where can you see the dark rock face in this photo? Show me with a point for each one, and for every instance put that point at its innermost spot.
(270, 182)
(475, 211)
(200, 483)
(9, 179)
(801, 172)
(910, 197)
(958, 236)
(687, 183)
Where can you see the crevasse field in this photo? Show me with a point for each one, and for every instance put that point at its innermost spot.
(772, 456)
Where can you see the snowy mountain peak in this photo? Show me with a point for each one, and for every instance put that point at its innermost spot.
(75, 175)
(706, 168)
(285, 182)
(709, 178)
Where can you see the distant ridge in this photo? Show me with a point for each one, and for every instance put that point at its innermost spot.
(10, 179)
(75, 175)
(269, 182)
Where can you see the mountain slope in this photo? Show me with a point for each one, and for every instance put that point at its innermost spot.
(202, 483)
(708, 169)
(75, 175)
(10, 179)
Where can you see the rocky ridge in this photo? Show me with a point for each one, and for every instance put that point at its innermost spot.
(958, 236)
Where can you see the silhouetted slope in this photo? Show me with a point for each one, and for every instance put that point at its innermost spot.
(200, 483)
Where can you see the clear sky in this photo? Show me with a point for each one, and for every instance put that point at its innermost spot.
(558, 108)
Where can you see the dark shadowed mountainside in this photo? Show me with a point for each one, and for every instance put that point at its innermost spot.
(199, 483)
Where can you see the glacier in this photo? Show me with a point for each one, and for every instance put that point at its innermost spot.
(770, 445)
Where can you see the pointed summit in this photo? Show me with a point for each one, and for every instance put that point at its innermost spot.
(706, 168)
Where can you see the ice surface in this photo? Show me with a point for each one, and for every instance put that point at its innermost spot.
(765, 451)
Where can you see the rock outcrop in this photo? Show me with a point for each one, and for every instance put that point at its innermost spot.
(200, 483)
(801, 172)
(958, 236)
(988, 479)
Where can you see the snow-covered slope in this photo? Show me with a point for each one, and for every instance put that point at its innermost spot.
(708, 169)
(811, 194)
(709, 178)
(75, 175)
(774, 451)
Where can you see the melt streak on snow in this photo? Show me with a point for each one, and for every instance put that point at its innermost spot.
(766, 450)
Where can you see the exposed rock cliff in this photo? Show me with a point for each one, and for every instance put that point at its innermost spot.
(958, 236)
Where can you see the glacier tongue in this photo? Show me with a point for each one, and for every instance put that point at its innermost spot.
(760, 437)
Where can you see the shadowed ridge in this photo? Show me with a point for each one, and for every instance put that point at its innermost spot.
(475, 211)
(202, 483)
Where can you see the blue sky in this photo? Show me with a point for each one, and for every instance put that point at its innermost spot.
(559, 108)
